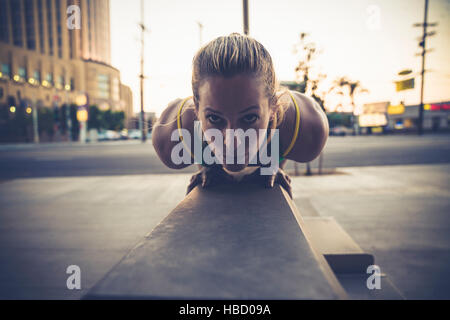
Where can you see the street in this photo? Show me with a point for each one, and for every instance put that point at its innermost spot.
(133, 157)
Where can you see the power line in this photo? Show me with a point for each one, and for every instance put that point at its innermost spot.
(422, 44)
(245, 12)
(142, 124)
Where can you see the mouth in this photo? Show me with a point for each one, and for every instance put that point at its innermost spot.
(234, 167)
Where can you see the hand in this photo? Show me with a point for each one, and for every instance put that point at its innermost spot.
(213, 175)
(281, 177)
(208, 176)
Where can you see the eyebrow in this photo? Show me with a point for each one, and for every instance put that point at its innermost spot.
(245, 110)
(249, 108)
(212, 110)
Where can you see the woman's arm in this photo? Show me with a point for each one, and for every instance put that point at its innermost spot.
(313, 130)
(166, 124)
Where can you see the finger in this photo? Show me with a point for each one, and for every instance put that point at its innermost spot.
(288, 178)
(270, 181)
(284, 174)
(285, 184)
(189, 188)
(193, 178)
(205, 179)
(208, 176)
(194, 182)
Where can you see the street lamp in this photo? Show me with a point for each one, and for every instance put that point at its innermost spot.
(82, 115)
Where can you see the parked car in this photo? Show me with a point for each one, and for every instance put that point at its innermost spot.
(340, 131)
(124, 134)
(134, 134)
(105, 135)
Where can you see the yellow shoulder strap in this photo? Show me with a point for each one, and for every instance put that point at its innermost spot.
(179, 125)
(297, 126)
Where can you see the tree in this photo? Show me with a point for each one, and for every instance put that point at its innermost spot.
(108, 120)
(307, 52)
(345, 86)
(95, 118)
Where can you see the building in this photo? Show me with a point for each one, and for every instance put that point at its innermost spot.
(126, 96)
(373, 117)
(47, 61)
(436, 117)
(403, 118)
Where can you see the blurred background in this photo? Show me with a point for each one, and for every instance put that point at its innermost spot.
(83, 81)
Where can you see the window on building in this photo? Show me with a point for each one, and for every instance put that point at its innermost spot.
(72, 84)
(115, 89)
(50, 26)
(16, 18)
(49, 79)
(41, 25)
(58, 27)
(6, 70)
(29, 25)
(71, 48)
(4, 30)
(60, 82)
(22, 71)
(37, 75)
(103, 86)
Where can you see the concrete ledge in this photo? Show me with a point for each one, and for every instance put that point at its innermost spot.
(342, 253)
(356, 288)
(227, 242)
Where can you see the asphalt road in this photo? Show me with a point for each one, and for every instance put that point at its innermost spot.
(133, 157)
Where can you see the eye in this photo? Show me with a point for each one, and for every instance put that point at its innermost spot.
(250, 118)
(214, 119)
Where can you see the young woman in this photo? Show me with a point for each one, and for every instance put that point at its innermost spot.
(234, 87)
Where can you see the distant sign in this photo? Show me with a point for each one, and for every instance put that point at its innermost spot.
(397, 109)
(440, 107)
(404, 84)
(405, 72)
(377, 107)
(373, 114)
(372, 120)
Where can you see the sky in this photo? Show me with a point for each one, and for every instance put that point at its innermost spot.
(365, 40)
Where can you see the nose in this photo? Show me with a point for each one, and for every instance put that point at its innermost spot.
(231, 140)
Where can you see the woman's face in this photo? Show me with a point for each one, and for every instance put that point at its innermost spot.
(239, 102)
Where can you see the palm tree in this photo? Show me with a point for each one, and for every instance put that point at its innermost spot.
(354, 88)
(307, 51)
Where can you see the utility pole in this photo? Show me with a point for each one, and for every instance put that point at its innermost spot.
(422, 44)
(245, 7)
(142, 124)
(200, 30)
(34, 111)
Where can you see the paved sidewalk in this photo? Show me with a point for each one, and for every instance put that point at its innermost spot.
(47, 224)
(401, 214)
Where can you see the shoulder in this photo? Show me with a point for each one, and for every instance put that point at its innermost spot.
(308, 107)
(312, 129)
(287, 97)
(303, 101)
(170, 112)
(289, 100)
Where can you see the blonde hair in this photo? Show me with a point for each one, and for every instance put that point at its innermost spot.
(237, 54)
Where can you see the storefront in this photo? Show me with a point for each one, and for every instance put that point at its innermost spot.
(436, 117)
